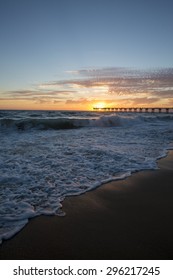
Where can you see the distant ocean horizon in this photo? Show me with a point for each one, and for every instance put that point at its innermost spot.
(47, 155)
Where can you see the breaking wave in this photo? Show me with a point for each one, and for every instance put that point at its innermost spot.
(45, 158)
(71, 123)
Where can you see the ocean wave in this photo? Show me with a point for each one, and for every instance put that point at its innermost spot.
(71, 123)
(37, 123)
(40, 166)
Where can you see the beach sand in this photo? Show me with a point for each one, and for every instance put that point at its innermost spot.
(126, 219)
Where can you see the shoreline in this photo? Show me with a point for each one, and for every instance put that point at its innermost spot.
(123, 219)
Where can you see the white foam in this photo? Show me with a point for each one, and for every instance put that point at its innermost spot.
(39, 168)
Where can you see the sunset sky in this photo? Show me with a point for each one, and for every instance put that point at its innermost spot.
(76, 54)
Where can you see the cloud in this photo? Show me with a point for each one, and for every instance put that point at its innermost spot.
(123, 81)
(36, 96)
(115, 85)
(78, 101)
(165, 94)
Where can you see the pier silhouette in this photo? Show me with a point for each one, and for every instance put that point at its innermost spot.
(137, 109)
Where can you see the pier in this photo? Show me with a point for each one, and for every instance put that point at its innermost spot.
(136, 109)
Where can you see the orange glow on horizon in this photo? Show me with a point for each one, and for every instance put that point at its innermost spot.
(30, 105)
(81, 104)
(100, 105)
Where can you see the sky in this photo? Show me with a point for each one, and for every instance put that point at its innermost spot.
(78, 54)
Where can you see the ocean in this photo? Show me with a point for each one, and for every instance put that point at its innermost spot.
(46, 156)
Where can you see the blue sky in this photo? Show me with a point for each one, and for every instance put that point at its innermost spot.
(43, 41)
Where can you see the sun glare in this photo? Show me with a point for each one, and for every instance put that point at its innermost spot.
(100, 105)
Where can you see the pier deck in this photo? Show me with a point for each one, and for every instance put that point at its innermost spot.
(137, 109)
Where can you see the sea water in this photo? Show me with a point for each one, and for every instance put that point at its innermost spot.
(46, 156)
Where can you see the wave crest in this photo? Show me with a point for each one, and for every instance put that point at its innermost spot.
(112, 120)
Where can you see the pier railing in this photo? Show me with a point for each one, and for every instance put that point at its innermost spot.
(137, 109)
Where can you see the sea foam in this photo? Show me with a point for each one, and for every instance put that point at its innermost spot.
(41, 162)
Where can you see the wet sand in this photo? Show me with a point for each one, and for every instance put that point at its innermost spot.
(127, 219)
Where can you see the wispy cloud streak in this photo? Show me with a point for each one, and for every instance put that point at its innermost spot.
(123, 81)
(111, 85)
